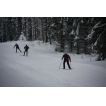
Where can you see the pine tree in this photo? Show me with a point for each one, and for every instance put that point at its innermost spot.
(99, 37)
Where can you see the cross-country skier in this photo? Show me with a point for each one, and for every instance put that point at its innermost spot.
(66, 59)
(17, 47)
(26, 50)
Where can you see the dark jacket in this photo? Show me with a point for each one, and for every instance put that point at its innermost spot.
(66, 57)
(16, 45)
(26, 48)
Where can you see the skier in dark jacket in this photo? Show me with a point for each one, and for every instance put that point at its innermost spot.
(66, 59)
(17, 47)
(26, 50)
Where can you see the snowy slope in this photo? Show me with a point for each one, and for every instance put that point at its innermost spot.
(41, 68)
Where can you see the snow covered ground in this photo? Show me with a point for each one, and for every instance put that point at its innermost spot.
(41, 68)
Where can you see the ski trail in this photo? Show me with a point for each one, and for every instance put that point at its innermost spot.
(41, 68)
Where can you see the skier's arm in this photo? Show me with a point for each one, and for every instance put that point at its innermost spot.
(69, 58)
(62, 57)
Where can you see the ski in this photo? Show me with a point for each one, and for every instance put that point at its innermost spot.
(67, 69)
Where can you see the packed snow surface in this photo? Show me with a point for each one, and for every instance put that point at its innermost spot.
(41, 67)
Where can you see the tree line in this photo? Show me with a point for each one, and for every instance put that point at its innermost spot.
(71, 34)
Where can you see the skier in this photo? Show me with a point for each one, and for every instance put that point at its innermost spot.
(17, 47)
(66, 59)
(26, 50)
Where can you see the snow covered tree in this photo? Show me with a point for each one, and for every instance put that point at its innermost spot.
(99, 38)
(80, 34)
(11, 28)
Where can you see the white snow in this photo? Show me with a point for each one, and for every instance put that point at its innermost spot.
(90, 35)
(41, 68)
(72, 32)
(22, 37)
(92, 31)
(76, 37)
(96, 26)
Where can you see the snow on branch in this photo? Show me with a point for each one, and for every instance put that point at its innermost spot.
(76, 37)
(96, 26)
(101, 25)
(72, 32)
(92, 31)
(90, 35)
(77, 31)
(98, 39)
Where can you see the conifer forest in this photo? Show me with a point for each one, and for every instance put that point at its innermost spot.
(68, 34)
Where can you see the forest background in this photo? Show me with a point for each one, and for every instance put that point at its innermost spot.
(68, 34)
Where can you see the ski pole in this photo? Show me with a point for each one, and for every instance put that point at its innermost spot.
(70, 61)
(60, 63)
(70, 64)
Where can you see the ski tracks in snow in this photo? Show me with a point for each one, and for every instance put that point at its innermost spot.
(90, 74)
(41, 68)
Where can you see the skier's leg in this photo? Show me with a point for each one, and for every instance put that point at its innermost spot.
(19, 49)
(26, 53)
(68, 64)
(16, 49)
